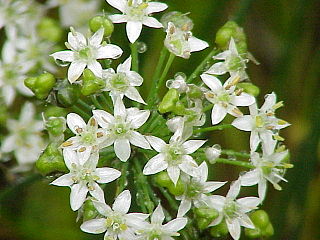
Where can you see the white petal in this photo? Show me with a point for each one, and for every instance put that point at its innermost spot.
(75, 70)
(151, 22)
(174, 173)
(77, 196)
(155, 165)
(217, 202)
(107, 175)
(109, 51)
(133, 94)
(184, 207)
(250, 178)
(217, 69)
(9, 144)
(137, 118)
(212, 82)
(197, 44)
(234, 228)
(102, 207)
(95, 67)
(249, 203)
(155, 7)
(122, 202)
(136, 220)
(253, 109)
(212, 186)
(97, 37)
(192, 145)
(268, 143)
(246, 222)
(122, 149)
(243, 100)
(118, 18)
(189, 166)
(262, 189)
(134, 78)
(119, 108)
(103, 118)
(76, 41)
(9, 94)
(133, 30)
(203, 171)
(118, 4)
(63, 181)
(74, 122)
(94, 226)
(97, 192)
(218, 114)
(175, 225)
(66, 56)
(157, 143)
(254, 141)
(70, 157)
(233, 47)
(234, 189)
(270, 101)
(157, 215)
(244, 123)
(139, 140)
(223, 55)
(125, 66)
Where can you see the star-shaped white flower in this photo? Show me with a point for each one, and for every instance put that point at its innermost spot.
(123, 82)
(196, 190)
(182, 43)
(24, 138)
(234, 211)
(88, 136)
(116, 222)
(85, 52)
(120, 128)
(173, 157)
(155, 229)
(225, 97)
(233, 63)
(84, 177)
(262, 123)
(136, 13)
(268, 167)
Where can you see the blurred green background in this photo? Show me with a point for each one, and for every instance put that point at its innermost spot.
(283, 35)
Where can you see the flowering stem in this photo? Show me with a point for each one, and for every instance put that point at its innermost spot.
(78, 110)
(152, 94)
(95, 102)
(234, 162)
(107, 100)
(202, 65)
(207, 108)
(134, 55)
(122, 181)
(84, 105)
(234, 153)
(209, 129)
(170, 199)
(166, 70)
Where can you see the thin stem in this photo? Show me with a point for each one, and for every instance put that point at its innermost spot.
(122, 181)
(106, 98)
(235, 162)
(84, 105)
(170, 199)
(209, 129)
(234, 153)
(163, 55)
(134, 55)
(202, 65)
(78, 110)
(96, 102)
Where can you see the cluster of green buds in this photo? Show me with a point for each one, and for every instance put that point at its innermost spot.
(179, 19)
(104, 22)
(91, 84)
(41, 85)
(205, 216)
(163, 180)
(49, 29)
(262, 223)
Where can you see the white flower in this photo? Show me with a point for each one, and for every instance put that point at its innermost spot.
(225, 97)
(136, 13)
(262, 123)
(117, 222)
(233, 63)
(173, 157)
(88, 136)
(155, 229)
(268, 167)
(84, 177)
(123, 82)
(196, 189)
(182, 43)
(234, 211)
(85, 52)
(120, 128)
(213, 153)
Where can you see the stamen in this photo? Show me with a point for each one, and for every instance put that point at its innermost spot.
(93, 122)
(239, 91)
(99, 134)
(279, 138)
(237, 111)
(67, 144)
(82, 149)
(278, 105)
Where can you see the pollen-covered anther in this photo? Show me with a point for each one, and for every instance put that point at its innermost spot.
(270, 114)
(239, 91)
(82, 149)
(99, 134)
(282, 122)
(224, 105)
(93, 122)
(278, 137)
(237, 111)
(278, 105)
(79, 130)
(269, 127)
(67, 144)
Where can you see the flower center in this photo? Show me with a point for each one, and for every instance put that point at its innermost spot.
(85, 53)
(235, 63)
(116, 224)
(193, 189)
(136, 11)
(83, 174)
(119, 82)
(231, 208)
(88, 138)
(174, 153)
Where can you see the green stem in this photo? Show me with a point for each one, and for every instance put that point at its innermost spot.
(122, 181)
(81, 112)
(134, 56)
(207, 108)
(202, 65)
(235, 163)
(213, 128)
(152, 93)
(234, 153)
(84, 105)
(170, 199)
(107, 99)
(96, 102)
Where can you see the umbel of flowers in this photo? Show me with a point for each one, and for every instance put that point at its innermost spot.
(152, 147)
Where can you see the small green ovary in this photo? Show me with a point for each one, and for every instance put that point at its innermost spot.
(231, 209)
(235, 63)
(119, 82)
(193, 189)
(85, 53)
(137, 12)
(88, 138)
(174, 154)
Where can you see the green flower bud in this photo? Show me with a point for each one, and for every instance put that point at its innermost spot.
(179, 108)
(219, 230)
(98, 22)
(89, 211)
(249, 88)
(177, 189)
(252, 233)
(49, 29)
(67, 94)
(180, 20)
(54, 111)
(51, 161)
(205, 212)
(91, 84)
(41, 85)
(260, 219)
(268, 231)
(203, 223)
(169, 101)
(56, 126)
(163, 179)
(194, 92)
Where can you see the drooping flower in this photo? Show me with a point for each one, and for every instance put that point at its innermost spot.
(234, 211)
(262, 123)
(120, 128)
(269, 166)
(136, 13)
(116, 221)
(196, 190)
(85, 53)
(233, 63)
(84, 177)
(123, 82)
(173, 156)
(155, 229)
(88, 136)
(24, 138)
(182, 43)
(225, 97)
